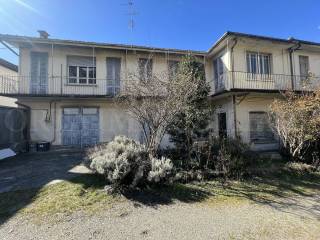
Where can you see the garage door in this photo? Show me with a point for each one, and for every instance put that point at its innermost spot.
(80, 126)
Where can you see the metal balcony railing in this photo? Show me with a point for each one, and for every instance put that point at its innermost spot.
(253, 81)
(56, 86)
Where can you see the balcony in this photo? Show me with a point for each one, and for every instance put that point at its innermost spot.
(263, 82)
(56, 86)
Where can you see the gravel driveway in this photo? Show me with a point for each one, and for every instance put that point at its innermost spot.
(296, 219)
(32, 170)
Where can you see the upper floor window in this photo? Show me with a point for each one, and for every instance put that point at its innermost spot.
(304, 66)
(173, 66)
(81, 70)
(113, 75)
(258, 63)
(145, 69)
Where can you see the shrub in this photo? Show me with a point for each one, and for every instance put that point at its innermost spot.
(231, 157)
(161, 170)
(124, 162)
(299, 168)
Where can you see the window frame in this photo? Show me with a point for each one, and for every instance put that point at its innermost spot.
(88, 80)
(263, 140)
(258, 57)
(173, 68)
(146, 75)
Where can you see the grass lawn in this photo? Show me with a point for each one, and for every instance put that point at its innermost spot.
(85, 193)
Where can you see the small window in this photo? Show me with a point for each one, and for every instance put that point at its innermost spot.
(89, 111)
(173, 67)
(71, 111)
(145, 69)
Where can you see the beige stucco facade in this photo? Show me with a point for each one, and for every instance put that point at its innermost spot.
(242, 93)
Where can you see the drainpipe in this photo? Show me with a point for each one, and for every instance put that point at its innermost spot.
(233, 96)
(232, 59)
(234, 116)
(291, 51)
(28, 120)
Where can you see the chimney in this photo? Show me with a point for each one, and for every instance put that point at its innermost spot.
(43, 34)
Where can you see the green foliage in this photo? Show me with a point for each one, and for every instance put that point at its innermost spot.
(230, 157)
(192, 122)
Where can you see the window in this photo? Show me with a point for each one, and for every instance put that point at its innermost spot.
(71, 111)
(82, 75)
(260, 130)
(304, 67)
(258, 63)
(173, 67)
(145, 69)
(113, 75)
(81, 70)
(219, 71)
(89, 111)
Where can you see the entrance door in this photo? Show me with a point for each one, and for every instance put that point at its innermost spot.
(222, 124)
(80, 126)
(39, 73)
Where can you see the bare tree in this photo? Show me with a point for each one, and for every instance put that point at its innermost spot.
(296, 120)
(154, 101)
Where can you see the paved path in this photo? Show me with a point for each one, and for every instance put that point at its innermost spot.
(31, 170)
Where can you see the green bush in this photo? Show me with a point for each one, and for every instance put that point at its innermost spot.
(231, 157)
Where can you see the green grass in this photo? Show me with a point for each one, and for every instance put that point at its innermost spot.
(85, 193)
(81, 194)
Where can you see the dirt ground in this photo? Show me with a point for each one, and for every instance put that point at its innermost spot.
(130, 220)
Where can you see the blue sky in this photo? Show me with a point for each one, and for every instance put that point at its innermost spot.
(185, 24)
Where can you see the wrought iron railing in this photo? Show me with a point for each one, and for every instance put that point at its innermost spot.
(56, 85)
(252, 81)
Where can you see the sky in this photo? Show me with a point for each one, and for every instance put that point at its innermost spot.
(182, 24)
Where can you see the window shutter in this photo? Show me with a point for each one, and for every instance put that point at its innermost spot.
(81, 61)
(113, 75)
(260, 130)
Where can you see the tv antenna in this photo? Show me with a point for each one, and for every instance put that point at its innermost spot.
(131, 13)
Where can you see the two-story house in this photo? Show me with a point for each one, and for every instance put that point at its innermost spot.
(248, 72)
(70, 85)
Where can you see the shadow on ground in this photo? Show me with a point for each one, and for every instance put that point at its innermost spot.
(22, 176)
(167, 195)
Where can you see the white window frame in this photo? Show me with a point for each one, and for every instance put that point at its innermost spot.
(259, 55)
(89, 81)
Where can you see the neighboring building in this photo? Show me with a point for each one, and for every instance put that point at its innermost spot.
(70, 85)
(8, 70)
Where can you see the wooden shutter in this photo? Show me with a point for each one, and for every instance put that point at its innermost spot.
(39, 73)
(113, 75)
(260, 130)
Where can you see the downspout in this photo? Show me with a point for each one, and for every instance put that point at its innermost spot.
(233, 96)
(232, 59)
(291, 51)
(28, 120)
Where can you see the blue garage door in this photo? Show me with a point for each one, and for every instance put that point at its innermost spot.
(80, 126)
